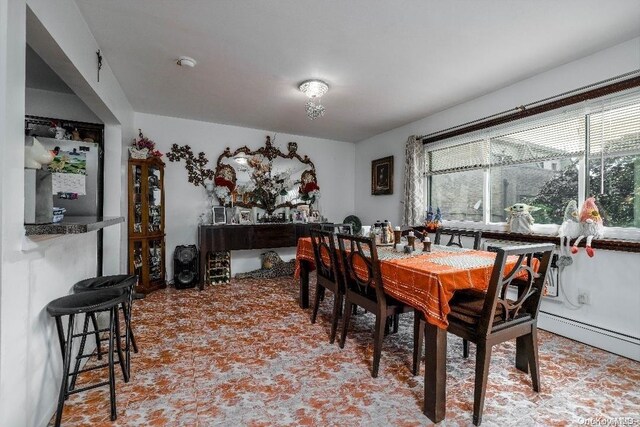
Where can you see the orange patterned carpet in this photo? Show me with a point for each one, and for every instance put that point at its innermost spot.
(245, 354)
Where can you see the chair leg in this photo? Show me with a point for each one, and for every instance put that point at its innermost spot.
(483, 359)
(378, 336)
(112, 375)
(316, 302)
(387, 325)
(126, 309)
(396, 323)
(94, 321)
(465, 348)
(83, 340)
(522, 355)
(345, 323)
(337, 305)
(121, 359)
(418, 340)
(532, 351)
(66, 362)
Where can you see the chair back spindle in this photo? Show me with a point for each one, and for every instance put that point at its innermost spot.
(361, 267)
(499, 311)
(455, 237)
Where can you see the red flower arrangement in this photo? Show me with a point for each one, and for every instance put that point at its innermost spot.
(309, 191)
(143, 142)
(221, 181)
(309, 187)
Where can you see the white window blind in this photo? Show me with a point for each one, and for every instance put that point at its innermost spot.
(615, 127)
(460, 157)
(544, 139)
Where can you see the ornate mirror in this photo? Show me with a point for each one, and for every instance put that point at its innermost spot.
(266, 178)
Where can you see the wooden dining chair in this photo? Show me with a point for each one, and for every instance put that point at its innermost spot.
(364, 287)
(456, 235)
(328, 277)
(491, 318)
(455, 239)
(337, 228)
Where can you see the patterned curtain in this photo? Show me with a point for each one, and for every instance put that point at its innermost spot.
(414, 170)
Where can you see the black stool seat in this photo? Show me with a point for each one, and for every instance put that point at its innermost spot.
(86, 302)
(125, 282)
(122, 281)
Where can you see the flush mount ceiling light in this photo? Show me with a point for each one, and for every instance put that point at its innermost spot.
(314, 89)
(185, 61)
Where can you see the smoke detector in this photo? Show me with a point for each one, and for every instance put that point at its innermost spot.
(185, 61)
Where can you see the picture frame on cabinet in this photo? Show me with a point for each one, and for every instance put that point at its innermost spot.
(219, 215)
(245, 216)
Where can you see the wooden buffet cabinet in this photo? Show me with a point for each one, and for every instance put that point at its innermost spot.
(146, 223)
(218, 238)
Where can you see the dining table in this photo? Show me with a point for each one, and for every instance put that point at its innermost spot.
(425, 281)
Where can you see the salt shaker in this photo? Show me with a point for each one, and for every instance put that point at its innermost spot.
(411, 238)
(426, 244)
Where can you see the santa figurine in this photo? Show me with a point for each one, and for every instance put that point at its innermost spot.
(590, 226)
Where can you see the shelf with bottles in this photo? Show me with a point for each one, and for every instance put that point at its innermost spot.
(218, 267)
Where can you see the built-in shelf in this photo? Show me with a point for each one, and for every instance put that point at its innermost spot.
(72, 225)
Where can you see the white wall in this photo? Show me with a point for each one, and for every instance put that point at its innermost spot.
(184, 202)
(611, 278)
(33, 273)
(57, 105)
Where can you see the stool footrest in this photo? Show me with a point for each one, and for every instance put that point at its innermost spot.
(93, 368)
(89, 387)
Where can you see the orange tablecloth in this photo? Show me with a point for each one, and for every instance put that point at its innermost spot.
(421, 281)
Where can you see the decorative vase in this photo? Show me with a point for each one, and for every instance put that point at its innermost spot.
(138, 154)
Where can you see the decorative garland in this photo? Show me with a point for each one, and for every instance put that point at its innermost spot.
(197, 171)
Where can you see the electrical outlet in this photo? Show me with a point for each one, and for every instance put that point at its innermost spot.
(584, 297)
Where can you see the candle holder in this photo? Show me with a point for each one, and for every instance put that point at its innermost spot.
(412, 241)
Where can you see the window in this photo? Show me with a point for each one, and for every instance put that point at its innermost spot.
(614, 162)
(459, 194)
(544, 161)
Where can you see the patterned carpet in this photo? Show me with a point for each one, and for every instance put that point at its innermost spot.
(245, 354)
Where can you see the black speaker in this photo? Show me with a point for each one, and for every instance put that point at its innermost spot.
(185, 266)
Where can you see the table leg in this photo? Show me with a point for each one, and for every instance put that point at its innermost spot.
(435, 372)
(304, 284)
(203, 267)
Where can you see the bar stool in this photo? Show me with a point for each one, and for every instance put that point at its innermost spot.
(120, 281)
(86, 303)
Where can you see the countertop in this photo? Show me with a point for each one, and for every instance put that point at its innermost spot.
(72, 225)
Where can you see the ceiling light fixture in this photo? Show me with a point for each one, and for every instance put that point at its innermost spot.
(185, 61)
(314, 89)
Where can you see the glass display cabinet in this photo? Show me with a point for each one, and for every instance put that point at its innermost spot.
(146, 223)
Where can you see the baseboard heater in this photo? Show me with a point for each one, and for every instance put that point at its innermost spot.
(605, 339)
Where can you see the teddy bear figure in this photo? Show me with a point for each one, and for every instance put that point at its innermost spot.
(570, 229)
(591, 226)
(520, 219)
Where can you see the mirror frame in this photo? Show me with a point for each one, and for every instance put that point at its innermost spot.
(270, 152)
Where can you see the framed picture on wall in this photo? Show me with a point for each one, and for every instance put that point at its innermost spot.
(382, 176)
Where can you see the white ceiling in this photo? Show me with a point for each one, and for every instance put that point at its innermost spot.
(387, 63)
